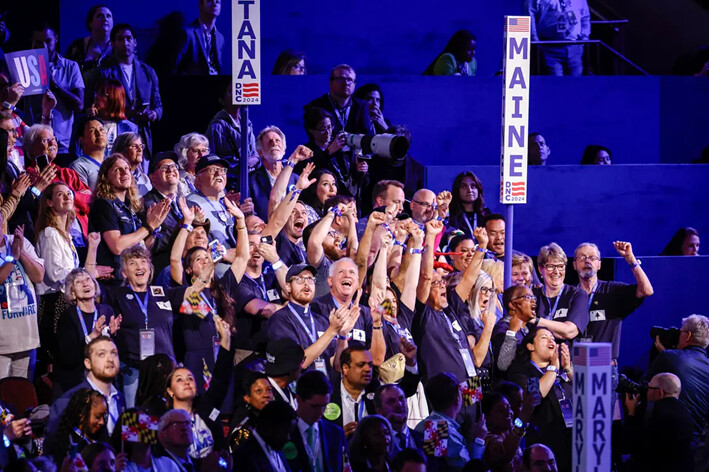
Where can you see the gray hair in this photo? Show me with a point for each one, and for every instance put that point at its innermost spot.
(71, 279)
(268, 129)
(331, 270)
(31, 137)
(587, 244)
(124, 141)
(186, 142)
(698, 325)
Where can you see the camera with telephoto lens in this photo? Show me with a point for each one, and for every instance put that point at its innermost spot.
(389, 146)
(625, 385)
(669, 337)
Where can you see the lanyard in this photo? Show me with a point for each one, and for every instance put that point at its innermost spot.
(143, 304)
(83, 323)
(311, 332)
(260, 284)
(593, 293)
(467, 222)
(556, 302)
(221, 214)
(450, 327)
(342, 113)
(287, 398)
(211, 306)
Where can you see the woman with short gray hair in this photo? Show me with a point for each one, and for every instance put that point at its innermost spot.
(190, 149)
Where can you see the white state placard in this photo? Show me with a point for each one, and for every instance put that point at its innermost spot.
(246, 52)
(515, 110)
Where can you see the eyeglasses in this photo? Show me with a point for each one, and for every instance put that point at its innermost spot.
(486, 290)
(168, 168)
(326, 129)
(53, 139)
(216, 171)
(426, 205)
(527, 296)
(553, 267)
(349, 80)
(200, 151)
(137, 146)
(588, 258)
(300, 279)
(439, 283)
(185, 423)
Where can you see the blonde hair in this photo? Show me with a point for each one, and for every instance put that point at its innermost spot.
(472, 301)
(104, 189)
(494, 268)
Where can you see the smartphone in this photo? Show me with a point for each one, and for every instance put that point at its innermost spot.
(214, 250)
(42, 161)
(267, 239)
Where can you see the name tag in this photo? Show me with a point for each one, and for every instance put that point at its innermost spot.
(165, 305)
(358, 335)
(561, 313)
(147, 343)
(320, 365)
(468, 360)
(456, 326)
(272, 295)
(598, 315)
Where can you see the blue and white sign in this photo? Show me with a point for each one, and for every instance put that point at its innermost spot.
(30, 69)
(246, 52)
(515, 110)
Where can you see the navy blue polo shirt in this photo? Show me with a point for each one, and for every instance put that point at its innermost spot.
(609, 305)
(162, 302)
(289, 252)
(298, 327)
(438, 347)
(111, 215)
(251, 329)
(362, 331)
(570, 305)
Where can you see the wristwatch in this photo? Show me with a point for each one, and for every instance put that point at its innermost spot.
(9, 258)
(553, 368)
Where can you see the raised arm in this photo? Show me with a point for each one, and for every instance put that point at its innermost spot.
(470, 276)
(318, 235)
(433, 228)
(408, 292)
(350, 215)
(625, 249)
(280, 186)
(375, 219)
(278, 219)
(178, 246)
(238, 266)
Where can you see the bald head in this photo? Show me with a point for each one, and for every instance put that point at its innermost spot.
(669, 384)
(422, 205)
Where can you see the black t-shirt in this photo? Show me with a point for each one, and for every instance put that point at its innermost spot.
(251, 329)
(610, 304)
(113, 215)
(439, 336)
(162, 303)
(570, 305)
(289, 252)
(471, 327)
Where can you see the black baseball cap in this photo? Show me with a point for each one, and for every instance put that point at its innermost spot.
(209, 160)
(159, 157)
(283, 356)
(298, 268)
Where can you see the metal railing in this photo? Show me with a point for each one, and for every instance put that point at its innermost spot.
(598, 47)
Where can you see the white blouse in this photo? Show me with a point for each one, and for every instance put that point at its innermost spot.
(60, 258)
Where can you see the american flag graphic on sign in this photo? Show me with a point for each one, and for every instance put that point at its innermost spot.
(518, 188)
(518, 25)
(251, 90)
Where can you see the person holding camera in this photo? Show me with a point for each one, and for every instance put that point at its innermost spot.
(659, 440)
(690, 364)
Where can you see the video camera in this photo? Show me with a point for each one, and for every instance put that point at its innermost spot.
(389, 146)
(669, 337)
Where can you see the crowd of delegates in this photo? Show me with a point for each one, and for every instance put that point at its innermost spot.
(323, 323)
